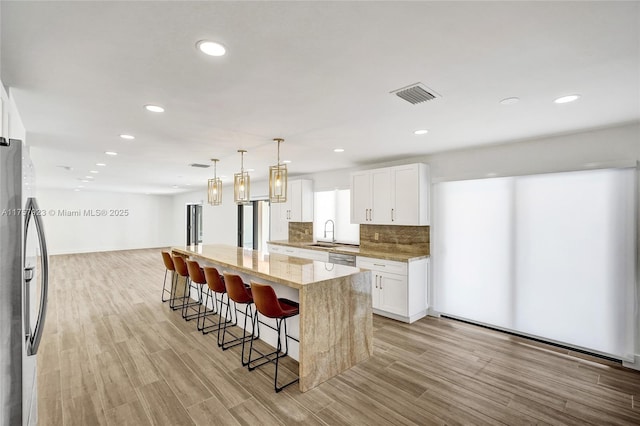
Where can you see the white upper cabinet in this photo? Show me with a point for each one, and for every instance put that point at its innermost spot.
(391, 196)
(298, 208)
(299, 203)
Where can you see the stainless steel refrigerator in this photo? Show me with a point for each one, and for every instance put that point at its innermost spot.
(23, 285)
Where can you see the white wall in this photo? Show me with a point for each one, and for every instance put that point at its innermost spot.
(148, 224)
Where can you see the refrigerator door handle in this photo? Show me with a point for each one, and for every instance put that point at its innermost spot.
(34, 337)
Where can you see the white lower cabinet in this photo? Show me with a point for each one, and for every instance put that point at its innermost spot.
(398, 289)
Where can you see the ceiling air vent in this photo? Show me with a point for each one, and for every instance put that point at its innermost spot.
(415, 93)
(200, 166)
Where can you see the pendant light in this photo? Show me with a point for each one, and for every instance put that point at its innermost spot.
(214, 187)
(241, 183)
(278, 179)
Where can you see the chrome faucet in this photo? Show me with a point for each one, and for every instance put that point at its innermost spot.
(333, 230)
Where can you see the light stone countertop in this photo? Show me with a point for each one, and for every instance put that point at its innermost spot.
(398, 257)
(286, 270)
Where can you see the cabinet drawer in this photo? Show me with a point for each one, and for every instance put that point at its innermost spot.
(274, 248)
(382, 265)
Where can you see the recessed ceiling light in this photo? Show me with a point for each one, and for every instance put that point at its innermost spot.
(211, 48)
(175, 186)
(100, 164)
(565, 99)
(251, 170)
(93, 171)
(128, 137)
(338, 150)
(84, 180)
(76, 190)
(510, 101)
(111, 153)
(80, 186)
(154, 108)
(89, 177)
(421, 132)
(286, 161)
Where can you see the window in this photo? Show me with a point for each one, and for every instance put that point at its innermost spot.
(551, 256)
(334, 205)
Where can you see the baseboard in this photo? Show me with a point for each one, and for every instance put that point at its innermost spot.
(635, 365)
(410, 319)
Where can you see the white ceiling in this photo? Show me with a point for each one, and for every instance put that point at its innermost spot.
(315, 73)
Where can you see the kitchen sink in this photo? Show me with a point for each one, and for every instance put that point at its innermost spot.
(328, 245)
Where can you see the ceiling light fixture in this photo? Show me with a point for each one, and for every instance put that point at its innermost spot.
(286, 161)
(211, 48)
(566, 99)
(338, 150)
(100, 164)
(278, 179)
(241, 183)
(510, 101)
(214, 186)
(111, 153)
(84, 181)
(421, 132)
(153, 108)
(128, 137)
(93, 171)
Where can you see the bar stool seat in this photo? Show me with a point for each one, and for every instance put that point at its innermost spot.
(196, 274)
(215, 287)
(238, 292)
(270, 306)
(169, 267)
(183, 271)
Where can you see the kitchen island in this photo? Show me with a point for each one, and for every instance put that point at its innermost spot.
(335, 321)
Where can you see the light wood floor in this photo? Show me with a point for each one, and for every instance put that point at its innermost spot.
(113, 354)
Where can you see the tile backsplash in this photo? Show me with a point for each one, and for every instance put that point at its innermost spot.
(301, 232)
(394, 238)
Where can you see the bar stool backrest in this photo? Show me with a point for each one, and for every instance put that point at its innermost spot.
(236, 289)
(168, 262)
(214, 280)
(266, 300)
(195, 273)
(181, 266)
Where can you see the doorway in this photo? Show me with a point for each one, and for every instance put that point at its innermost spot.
(194, 224)
(253, 225)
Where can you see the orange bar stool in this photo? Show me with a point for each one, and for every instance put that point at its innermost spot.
(183, 271)
(196, 274)
(217, 291)
(169, 266)
(239, 293)
(270, 306)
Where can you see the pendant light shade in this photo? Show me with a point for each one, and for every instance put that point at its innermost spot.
(241, 183)
(278, 179)
(214, 187)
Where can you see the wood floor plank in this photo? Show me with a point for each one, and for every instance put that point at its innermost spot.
(183, 381)
(136, 362)
(163, 406)
(251, 412)
(129, 414)
(112, 380)
(212, 412)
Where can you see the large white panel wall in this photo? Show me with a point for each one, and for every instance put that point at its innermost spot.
(148, 223)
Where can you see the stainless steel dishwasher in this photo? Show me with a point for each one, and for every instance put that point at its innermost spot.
(342, 259)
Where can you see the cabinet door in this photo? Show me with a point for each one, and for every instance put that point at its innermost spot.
(406, 190)
(381, 197)
(393, 293)
(279, 228)
(294, 201)
(360, 197)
